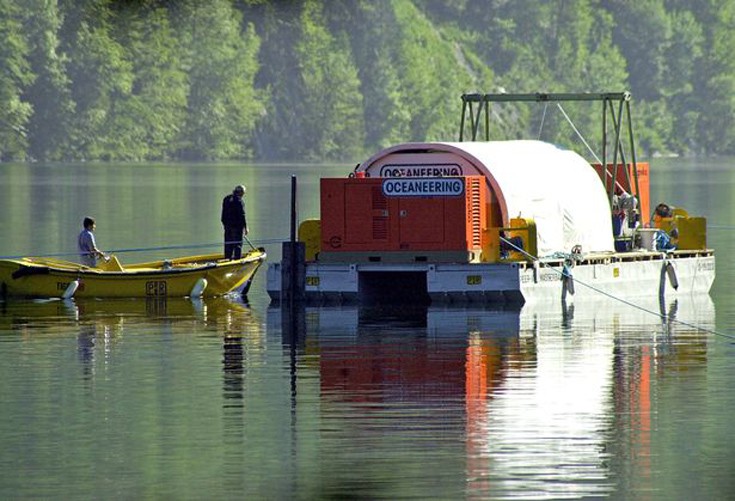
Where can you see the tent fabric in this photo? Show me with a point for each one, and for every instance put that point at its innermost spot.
(556, 188)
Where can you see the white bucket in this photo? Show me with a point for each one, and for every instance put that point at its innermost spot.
(648, 238)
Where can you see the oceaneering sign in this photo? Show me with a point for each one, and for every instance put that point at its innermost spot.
(423, 187)
(422, 170)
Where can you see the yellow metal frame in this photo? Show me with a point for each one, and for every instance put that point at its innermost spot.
(519, 227)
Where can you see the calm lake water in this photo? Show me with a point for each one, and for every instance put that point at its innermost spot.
(222, 398)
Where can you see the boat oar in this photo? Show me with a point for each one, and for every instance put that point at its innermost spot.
(259, 249)
(249, 242)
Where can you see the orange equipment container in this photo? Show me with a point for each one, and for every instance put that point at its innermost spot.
(415, 219)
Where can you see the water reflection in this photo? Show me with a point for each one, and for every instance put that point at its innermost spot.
(86, 342)
(102, 324)
(242, 348)
(545, 400)
(379, 402)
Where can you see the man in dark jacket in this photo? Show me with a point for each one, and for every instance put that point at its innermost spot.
(233, 219)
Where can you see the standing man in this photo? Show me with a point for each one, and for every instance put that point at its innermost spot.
(233, 219)
(88, 251)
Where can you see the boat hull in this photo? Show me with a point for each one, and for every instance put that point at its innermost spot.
(622, 275)
(206, 275)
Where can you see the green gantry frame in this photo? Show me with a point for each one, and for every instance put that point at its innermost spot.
(476, 116)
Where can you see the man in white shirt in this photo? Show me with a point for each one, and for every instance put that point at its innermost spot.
(88, 251)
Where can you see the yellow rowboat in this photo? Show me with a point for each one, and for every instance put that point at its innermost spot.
(195, 276)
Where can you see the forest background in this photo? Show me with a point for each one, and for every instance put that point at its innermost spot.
(309, 80)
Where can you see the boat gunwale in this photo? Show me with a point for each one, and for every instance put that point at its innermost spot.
(132, 272)
(615, 257)
(586, 259)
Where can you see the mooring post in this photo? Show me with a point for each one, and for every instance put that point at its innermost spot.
(293, 269)
(293, 208)
(293, 287)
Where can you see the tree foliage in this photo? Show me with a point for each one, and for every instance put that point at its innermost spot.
(49, 94)
(311, 80)
(15, 77)
(331, 108)
(148, 118)
(220, 56)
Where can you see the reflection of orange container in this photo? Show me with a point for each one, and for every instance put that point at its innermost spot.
(403, 214)
(423, 373)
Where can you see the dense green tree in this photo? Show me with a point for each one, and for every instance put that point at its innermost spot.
(386, 115)
(312, 80)
(331, 112)
(149, 119)
(652, 124)
(277, 131)
(684, 54)
(316, 103)
(432, 76)
(715, 79)
(101, 77)
(583, 58)
(15, 77)
(49, 94)
(661, 46)
(221, 59)
(558, 46)
(643, 33)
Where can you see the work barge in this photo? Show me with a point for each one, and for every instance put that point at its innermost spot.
(496, 221)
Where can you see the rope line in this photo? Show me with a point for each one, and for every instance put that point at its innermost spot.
(579, 134)
(168, 247)
(664, 317)
(589, 148)
(543, 119)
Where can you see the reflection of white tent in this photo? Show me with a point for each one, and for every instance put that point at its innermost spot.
(548, 425)
(557, 188)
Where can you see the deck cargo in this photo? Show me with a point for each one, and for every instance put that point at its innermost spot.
(481, 220)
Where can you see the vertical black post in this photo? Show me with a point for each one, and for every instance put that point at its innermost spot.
(293, 315)
(293, 209)
(604, 143)
(293, 268)
(461, 120)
